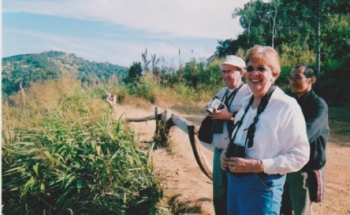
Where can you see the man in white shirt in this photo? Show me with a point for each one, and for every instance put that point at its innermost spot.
(233, 68)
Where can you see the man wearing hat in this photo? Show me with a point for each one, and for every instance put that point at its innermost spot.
(231, 95)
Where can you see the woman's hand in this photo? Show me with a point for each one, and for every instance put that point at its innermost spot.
(244, 165)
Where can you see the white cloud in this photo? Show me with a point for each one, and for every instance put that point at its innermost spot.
(178, 18)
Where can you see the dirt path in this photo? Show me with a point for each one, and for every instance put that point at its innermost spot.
(337, 176)
(188, 191)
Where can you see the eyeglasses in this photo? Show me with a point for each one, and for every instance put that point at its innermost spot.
(259, 68)
(297, 78)
(226, 72)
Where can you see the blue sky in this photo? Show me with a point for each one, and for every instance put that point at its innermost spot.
(118, 31)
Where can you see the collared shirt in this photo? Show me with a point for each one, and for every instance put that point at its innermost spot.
(280, 138)
(315, 111)
(221, 140)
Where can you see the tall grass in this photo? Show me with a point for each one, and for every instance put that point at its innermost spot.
(73, 158)
(151, 89)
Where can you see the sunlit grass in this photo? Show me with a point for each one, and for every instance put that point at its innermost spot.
(72, 155)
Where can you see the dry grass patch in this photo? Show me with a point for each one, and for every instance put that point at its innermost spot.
(137, 102)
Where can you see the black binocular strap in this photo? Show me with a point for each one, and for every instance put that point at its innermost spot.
(229, 99)
(251, 129)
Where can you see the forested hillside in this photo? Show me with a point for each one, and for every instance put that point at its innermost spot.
(21, 70)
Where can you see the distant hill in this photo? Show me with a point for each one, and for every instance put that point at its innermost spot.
(24, 69)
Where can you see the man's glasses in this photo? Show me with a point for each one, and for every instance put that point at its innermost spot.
(296, 78)
(259, 68)
(226, 72)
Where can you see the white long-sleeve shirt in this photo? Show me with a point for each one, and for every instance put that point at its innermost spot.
(221, 141)
(280, 138)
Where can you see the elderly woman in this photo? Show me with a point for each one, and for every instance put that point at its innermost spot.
(268, 140)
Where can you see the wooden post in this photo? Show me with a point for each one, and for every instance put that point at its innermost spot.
(166, 124)
(163, 124)
(160, 135)
(156, 132)
(192, 130)
(156, 114)
(157, 136)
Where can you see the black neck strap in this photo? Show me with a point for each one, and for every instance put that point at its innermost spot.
(251, 129)
(228, 99)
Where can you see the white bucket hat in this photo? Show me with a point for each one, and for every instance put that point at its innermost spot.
(234, 61)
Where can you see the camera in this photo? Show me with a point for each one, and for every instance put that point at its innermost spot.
(214, 104)
(234, 150)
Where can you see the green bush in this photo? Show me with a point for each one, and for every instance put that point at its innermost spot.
(76, 160)
(145, 88)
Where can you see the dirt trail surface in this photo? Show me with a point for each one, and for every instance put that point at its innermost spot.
(188, 191)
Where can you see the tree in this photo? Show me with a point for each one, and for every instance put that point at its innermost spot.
(135, 72)
(246, 16)
(255, 21)
(225, 47)
(273, 16)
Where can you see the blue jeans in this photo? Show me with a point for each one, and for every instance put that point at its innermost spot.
(254, 193)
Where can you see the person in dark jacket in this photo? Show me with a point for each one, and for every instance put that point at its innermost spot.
(296, 196)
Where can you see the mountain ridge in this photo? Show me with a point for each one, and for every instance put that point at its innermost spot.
(20, 70)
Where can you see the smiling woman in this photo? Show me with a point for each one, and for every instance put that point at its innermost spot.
(270, 132)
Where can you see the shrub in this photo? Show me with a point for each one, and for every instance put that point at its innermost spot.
(145, 88)
(76, 159)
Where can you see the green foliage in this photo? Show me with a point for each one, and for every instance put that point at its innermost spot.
(226, 47)
(292, 27)
(145, 88)
(135, 72)
(294, 53)
(199, 73)
(291, 56)
(76, 158)
(211, 76)
(196, 81)
(193, 81)
(184, 90)
(191, 73)
(286, 22)
(336, 37)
